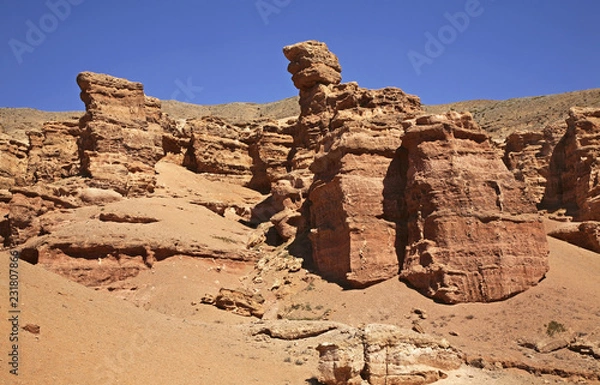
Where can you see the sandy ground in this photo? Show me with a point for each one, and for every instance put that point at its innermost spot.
(162, 334)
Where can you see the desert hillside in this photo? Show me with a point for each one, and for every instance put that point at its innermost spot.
(498, 117)
(347, 236)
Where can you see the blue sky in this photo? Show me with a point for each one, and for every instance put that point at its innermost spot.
(220, 51)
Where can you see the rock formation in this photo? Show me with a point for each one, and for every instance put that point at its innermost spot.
(574, 181)
(98, 245)
(54, 152)
(384, 354)
(121, 137)
(13, 162)
(527, 154)
(473, 234)
(252, 155)
(585, 234)
(344, 141)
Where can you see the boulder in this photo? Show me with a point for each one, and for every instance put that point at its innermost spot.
(385, 354)
(586, 235)
(240, 302)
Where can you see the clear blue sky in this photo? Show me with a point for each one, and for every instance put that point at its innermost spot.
(219, 51)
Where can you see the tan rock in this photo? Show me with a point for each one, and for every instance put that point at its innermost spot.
(385, 354)
(54, 152)
(347, 137)
(312, 63)
(13, 162)
(342, 359)
(121, 139)
(240, 302)
(96, 246)
(586, 235)
(294, 330)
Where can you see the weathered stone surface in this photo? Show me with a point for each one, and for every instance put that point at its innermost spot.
(312, 63)
(473, 234)
(385, 354)
(253, 155)
(342, 359)
(96, 246)
(54, 152)
(527, 154)
(216, 149)
(294, 330)
(574, 181)
(586, 235)
(13, 162)
(347, 137)
(240, 302)
(120, 139)
(588, 344)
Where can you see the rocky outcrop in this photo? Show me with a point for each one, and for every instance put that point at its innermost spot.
(473, 234)
(96, 246)
(54, 152)
(240, 302)
(216, 150)
(384, 354)
(345, 139)
(527, 154)
(253, 155)
(13, 162)
(586, 235)
(574, 181)
(121, 137)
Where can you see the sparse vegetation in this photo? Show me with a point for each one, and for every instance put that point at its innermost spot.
(224, 239)
(554, 328)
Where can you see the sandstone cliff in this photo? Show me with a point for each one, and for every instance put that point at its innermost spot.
(394, 190)
(473, 234)
(573, 182)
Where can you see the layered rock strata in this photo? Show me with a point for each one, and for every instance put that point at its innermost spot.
(384, 354)
(344, 140)
(574, 180)
(473, 233)
(527, 154)
(121, 137)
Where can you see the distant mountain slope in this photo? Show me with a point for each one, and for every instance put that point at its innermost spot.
(17, 121)
(235, 111)
(498, 117)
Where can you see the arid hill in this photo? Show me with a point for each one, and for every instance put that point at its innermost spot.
(501, 117)
(497, 117)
